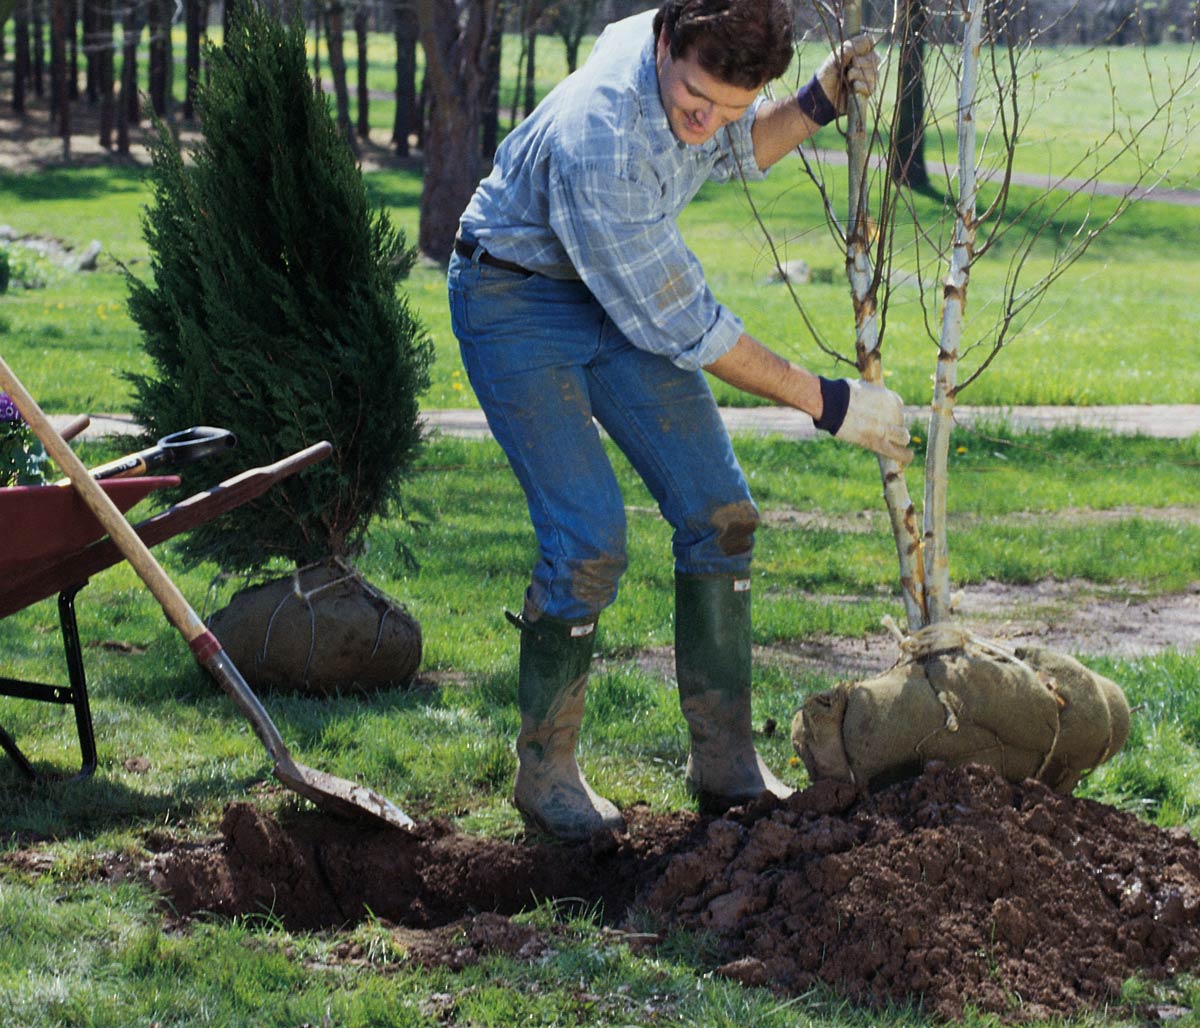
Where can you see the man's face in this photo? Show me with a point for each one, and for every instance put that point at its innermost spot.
(697, 103)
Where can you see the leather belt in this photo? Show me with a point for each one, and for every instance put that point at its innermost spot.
(467, 249)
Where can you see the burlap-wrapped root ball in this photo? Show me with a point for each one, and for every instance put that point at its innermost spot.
(323, 629)
(1029, 713)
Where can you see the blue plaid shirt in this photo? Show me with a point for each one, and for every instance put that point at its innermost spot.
(589, 187)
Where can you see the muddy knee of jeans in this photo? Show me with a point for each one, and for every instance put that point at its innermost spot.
(594, 581)
(735, 524)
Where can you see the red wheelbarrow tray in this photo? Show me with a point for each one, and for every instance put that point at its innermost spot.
(43, 524)
(50, 541)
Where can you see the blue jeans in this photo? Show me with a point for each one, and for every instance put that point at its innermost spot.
(544, 361)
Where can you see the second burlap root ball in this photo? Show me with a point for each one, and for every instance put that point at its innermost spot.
(1029, 713)
(321, 630)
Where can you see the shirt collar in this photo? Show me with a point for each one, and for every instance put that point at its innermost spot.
(658, 128)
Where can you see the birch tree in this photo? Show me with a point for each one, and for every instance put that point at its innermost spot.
(988, 70)
(1028, 711)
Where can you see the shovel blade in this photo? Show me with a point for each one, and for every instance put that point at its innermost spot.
(340, 797)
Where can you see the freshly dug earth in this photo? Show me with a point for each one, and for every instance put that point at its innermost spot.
(954, 888)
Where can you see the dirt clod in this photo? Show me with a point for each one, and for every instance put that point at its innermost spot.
(955, 887)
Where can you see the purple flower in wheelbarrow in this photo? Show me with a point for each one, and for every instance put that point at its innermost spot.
(21, 454)
(8, 409)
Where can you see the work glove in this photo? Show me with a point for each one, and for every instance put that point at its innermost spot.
(866, 415)
(852, 66)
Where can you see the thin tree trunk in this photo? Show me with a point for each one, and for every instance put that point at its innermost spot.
(318, 17)
(531, 70)
(127, 105)
(335, 42)
(21, 56)
(863, 288)
(38, 44)
(405, 31)
(361, 17)
(954, 300)
(193, 31)
(72, 50)
(90, 56)
(60, 103)
(104, 71)
(520, 76)
(159, 14)
(491, 88)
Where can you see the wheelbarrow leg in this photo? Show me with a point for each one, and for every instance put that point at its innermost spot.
(76, 694)
(78, 679)
(10, 747)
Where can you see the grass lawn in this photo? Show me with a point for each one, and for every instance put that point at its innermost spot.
(79, 946)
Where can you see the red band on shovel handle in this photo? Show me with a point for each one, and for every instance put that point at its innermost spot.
(205, 646)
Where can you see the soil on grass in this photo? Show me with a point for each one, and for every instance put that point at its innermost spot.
(954, 888)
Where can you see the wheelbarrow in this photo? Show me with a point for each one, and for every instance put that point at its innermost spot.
(64, 567)
(52, 544)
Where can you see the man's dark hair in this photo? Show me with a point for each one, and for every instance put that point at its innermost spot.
(745, 43)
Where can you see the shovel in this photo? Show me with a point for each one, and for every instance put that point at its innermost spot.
(174, 450)
(336, 795)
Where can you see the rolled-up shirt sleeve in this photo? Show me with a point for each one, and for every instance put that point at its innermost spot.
(631, 256)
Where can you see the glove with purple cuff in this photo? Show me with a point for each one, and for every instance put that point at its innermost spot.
(866, 415)
(855, 65)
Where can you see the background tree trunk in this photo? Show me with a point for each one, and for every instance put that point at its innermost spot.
(455, 35)
(37, 44)
(22, 58)
(318, 17)
(72, 50)
(907, 156)
(91, 54)
(491, 106)
(159, 15)
(335, 43)
(361, 19)
(572, 19)
(193, 32)
(405, 31)
(60, 102)
(104, 71)
(530, 98)
(127, 104)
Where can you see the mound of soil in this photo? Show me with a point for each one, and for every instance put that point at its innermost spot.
(951, 889)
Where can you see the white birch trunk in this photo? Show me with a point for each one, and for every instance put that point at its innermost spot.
(954, 299)
(866, 344)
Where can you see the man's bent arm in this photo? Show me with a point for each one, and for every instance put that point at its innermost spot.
(779, 127)
(753, 368)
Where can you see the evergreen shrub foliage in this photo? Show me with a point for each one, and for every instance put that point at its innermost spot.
(273, 310)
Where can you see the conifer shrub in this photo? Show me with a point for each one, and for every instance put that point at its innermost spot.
(273, 309)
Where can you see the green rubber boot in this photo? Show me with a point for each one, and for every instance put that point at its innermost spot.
(550, 790)
(712, 665)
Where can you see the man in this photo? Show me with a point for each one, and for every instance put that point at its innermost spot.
(574, 298)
